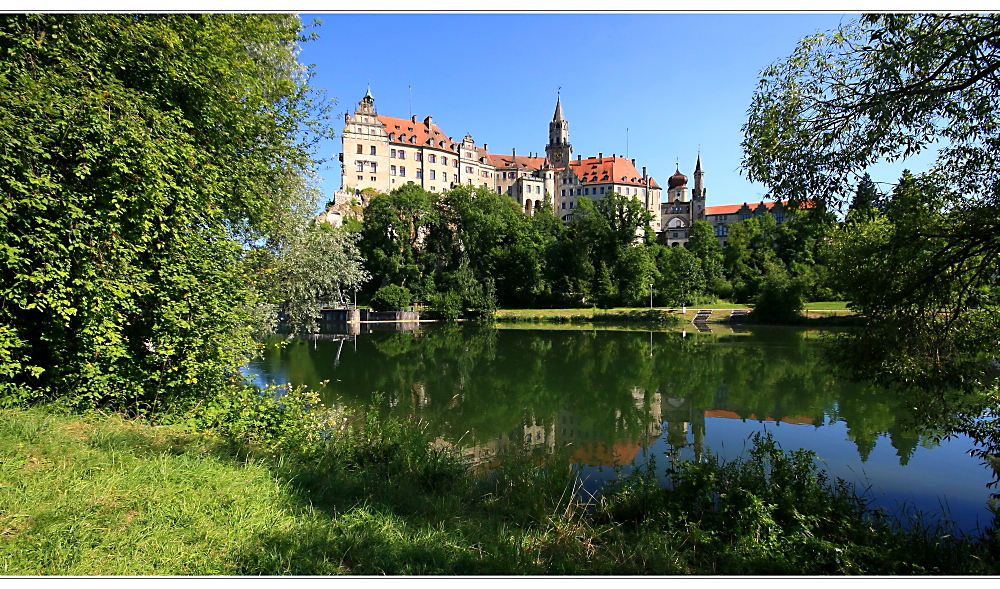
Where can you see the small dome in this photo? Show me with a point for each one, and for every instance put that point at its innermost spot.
(676, 180)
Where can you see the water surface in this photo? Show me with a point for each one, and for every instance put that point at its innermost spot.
(600, 399)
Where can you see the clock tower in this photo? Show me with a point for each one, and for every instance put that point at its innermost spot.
(559, 151)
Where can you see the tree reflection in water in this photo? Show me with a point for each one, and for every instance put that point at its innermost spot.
(604, 398)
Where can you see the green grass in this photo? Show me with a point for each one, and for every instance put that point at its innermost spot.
(99, 495)
(827, 306)
(814, 310)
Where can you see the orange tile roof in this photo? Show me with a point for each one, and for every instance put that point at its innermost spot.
(723, 414)
(732, 209)
(610, 169)
(620, 453)
(509, 162)
(407, 128)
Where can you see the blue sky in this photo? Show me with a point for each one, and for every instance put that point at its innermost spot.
(680, 83)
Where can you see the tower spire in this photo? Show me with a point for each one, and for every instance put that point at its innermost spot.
(558, 151)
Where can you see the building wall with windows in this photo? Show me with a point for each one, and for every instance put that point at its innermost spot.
(384, 153)
(722, 216)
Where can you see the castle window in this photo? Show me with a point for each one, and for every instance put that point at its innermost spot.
(402, 170)
(392, 136)
(373, 150)
(571, 205)
(564, 205)
(401, 154)
(602, 190)
(578, 192)
(431, 158)
(392, 170)
(392, 153)
(360, 147)
(374, 179)
(538, 189)
(361, 177)
(499, 190)
(564, 193)
(432, 174)
(374, 166)
(779, 217)
(454, 163)
(586, 191)
(444, 161)
(418, 156)
(360, 166)
(413, 139)
(420, 173)
(468, 169)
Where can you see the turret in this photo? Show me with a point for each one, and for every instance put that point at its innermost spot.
(559, 151)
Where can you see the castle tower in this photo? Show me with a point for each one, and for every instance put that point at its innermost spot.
(364, 161)
(698, 193)
(559, 151)
(367, 104)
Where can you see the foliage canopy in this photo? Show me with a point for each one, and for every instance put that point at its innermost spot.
(140, 155)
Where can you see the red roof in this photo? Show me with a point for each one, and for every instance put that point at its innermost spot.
(733, 209)
(606, 170)
(600, 454)
(510, 162)
(720, 413)
(399, 128)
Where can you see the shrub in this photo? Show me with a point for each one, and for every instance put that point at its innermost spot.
(392, 298)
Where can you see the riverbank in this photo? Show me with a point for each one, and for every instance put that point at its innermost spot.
(817, 314)
(100, 495)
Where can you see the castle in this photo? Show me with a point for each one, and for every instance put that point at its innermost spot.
(383, 153)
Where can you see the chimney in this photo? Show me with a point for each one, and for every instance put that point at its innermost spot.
(413, 118)
(428, 121)
(600, 157)
(513, 155)
(644, 172)
(579, 159)
(486, 147)
(633, 161)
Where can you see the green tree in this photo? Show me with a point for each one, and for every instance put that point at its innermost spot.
(394, 228)
(681, 277)
(142, 157)
(866, 202)
(750, 248)
(612, 231)
(316, 265)
(885, 88)
(703, 244)
(392, 297)
(501, 243)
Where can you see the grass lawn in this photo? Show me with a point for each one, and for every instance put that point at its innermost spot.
(99, 495)
(827, 306)
(720, 311)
